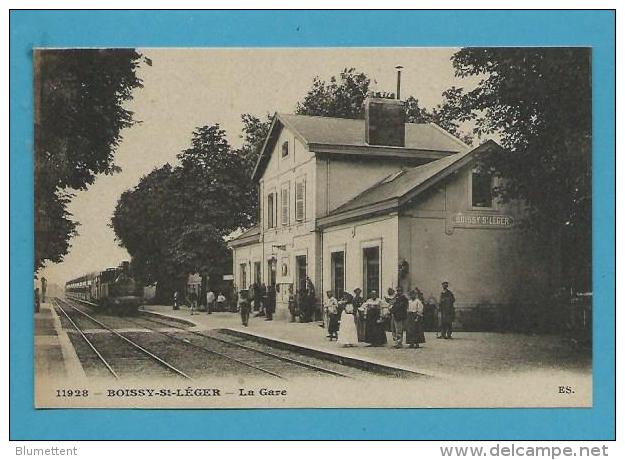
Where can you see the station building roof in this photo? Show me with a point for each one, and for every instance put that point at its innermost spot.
(342, 135)
(249, 236)
(403, 186)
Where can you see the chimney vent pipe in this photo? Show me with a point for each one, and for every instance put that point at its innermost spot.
(399, 69)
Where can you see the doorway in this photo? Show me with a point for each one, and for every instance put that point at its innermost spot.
(371, 269)
(257, 273)
(337, 262)
(271, 269)
(301, 271)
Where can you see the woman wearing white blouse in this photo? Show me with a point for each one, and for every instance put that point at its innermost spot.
(414, 321)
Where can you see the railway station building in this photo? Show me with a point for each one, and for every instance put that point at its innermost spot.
(377, 202)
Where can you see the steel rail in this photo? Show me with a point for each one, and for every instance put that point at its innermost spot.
(218, 353)
(87, 341)
(156, 358)
(263, 352)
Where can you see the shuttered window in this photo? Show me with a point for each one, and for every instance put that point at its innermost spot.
(285, 149)
(300, 200)
(271, 220)
(284, 201)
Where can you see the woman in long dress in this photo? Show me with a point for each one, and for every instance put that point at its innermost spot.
(348, 336)
(414, 321)
(359, 315)
(375, 333)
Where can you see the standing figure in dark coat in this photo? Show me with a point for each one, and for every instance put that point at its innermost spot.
(399, 311)
(293, 310)
(270, 308)
(255, 295)
(446, 306)
(375, 333)
(260, 299)
(311, 298)
(302, 301)
(387, 310)
(244, 306)
(359, 314)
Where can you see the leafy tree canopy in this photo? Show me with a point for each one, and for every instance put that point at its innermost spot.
(80, 96)
(538, 102)
(175, 220)
(341, 97)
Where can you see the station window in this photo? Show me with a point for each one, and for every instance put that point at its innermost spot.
(300, 200)
(271, 272)
(371, 269)
(284, 204)
(257, 273)
(243, 276)
(338, 273)
(285, 149)
(271, 214)
(481, 189)
(301, 271)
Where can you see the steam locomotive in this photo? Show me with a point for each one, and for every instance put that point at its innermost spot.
(113, 289)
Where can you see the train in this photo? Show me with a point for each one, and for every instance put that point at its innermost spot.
(112, 289)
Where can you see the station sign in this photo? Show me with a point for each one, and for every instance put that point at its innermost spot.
(479, 220)
(489, 220)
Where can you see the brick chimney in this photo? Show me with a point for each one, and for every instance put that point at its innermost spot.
(384, 120)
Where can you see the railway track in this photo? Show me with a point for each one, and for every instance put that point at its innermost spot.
(236, 345)
(225, 351)
(91, 343)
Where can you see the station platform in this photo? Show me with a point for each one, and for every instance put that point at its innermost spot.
(54, 354)
(468, 354)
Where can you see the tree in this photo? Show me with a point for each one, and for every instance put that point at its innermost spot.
(79, 111)
(174, 222)
(141, 222)
(341, 97)
(448, 114)
(538, 102)
(254, 133)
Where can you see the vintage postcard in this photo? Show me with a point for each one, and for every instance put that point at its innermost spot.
(313, 227)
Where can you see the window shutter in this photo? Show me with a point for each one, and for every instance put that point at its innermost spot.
(300, 201)
(270, 213)
(284, 196)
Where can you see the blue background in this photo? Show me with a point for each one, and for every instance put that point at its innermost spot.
(305, 29)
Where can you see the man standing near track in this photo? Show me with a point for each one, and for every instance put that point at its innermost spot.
(210, 301)
(446, 306)
(193, 301)
(244, 306)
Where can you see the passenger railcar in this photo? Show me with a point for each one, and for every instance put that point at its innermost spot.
(114, 289)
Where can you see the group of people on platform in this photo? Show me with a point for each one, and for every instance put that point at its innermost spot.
(213, 302)
(258, 298)
(354, 319)
(350, 320)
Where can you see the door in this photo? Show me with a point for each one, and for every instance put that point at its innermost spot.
(271, 270)
(371, 269)
(337, 261)
(301, 271)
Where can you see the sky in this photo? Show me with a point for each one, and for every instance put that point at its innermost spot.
(187, 88)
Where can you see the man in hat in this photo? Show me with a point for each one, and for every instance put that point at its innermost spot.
(244, 306)
(446, 307)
